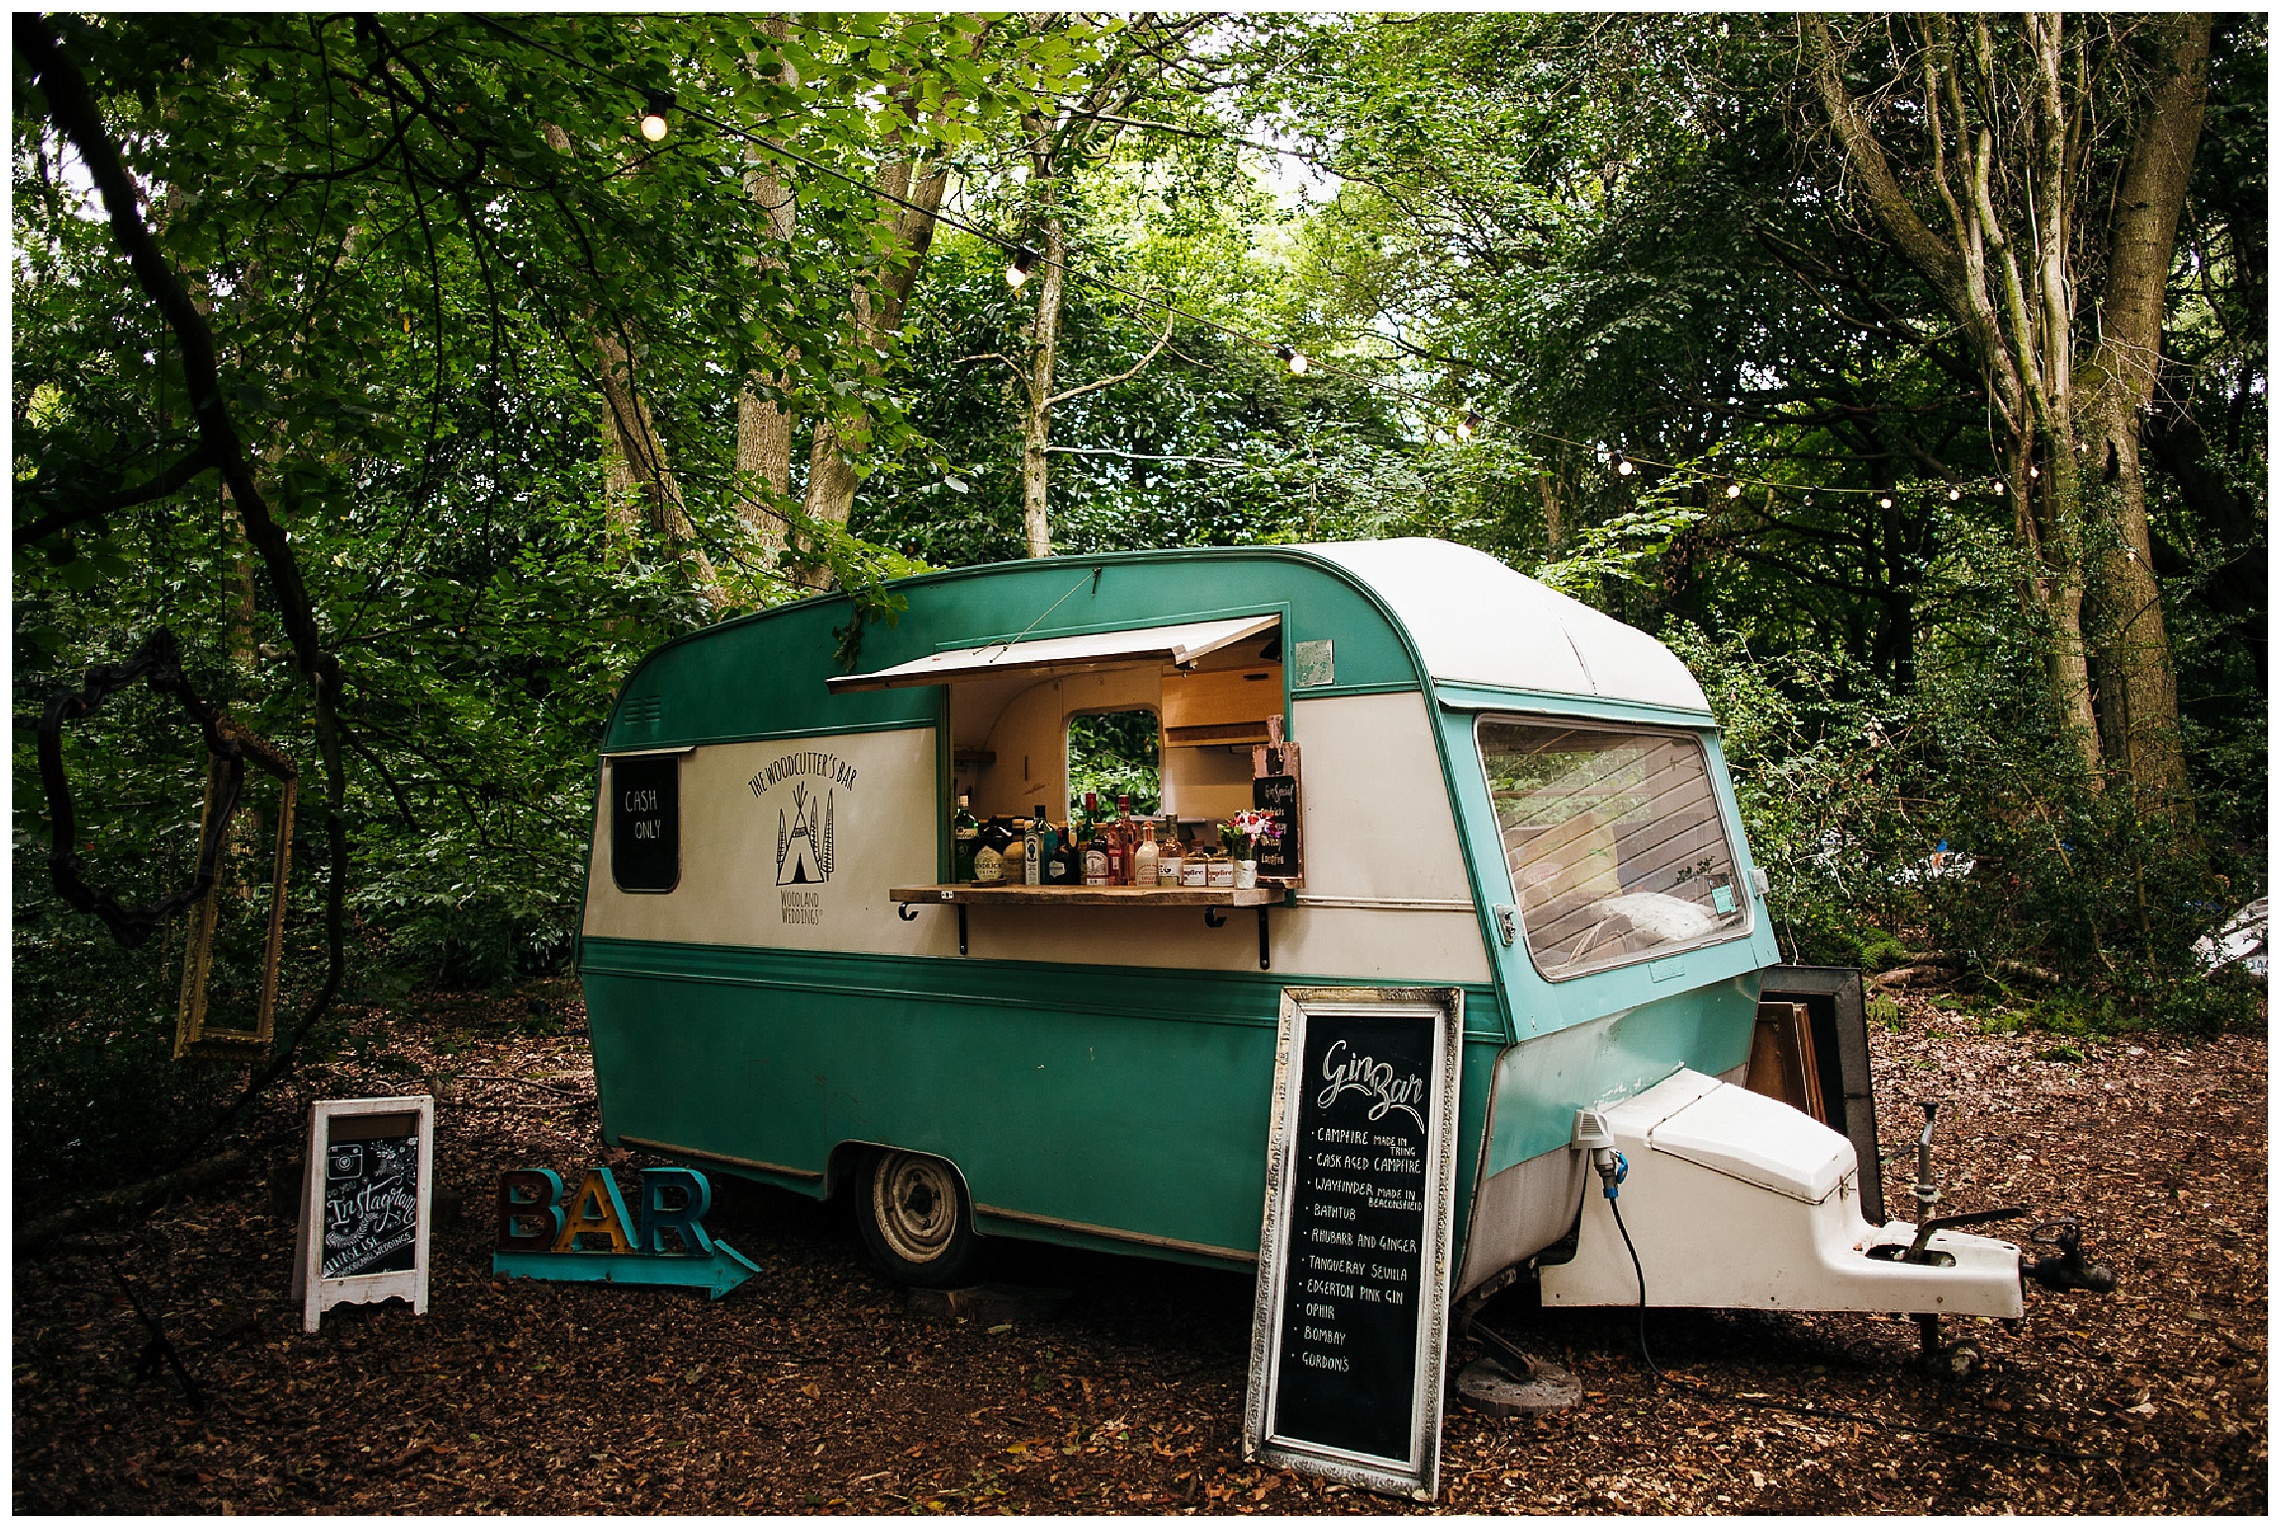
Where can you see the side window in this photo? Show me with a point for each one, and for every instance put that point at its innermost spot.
(1614, 843)
(645, 822)
(1113, 753)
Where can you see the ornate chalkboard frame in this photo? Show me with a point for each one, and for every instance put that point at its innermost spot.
(344, 1120)
(1418, 1473)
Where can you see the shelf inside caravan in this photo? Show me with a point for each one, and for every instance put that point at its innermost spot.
(1091, 896)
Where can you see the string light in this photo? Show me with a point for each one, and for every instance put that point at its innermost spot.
(1954, 493)
(655, 126)
(1884, 501)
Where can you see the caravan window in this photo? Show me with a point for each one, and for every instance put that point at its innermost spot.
(1614, 841)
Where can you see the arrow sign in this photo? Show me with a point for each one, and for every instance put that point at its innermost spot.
(720, 1271)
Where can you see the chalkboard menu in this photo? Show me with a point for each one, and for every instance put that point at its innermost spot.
(1274, 789)
(372, 1201)
(645, 822)
(1349, 1336)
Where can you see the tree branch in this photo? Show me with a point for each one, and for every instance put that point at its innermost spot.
(1128, 373)
(158, 486)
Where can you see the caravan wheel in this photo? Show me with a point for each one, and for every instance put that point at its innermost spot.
(916, 1222)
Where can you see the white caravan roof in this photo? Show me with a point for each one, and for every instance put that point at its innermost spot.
(1475, 621)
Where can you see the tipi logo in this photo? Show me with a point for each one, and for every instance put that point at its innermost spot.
(804, 833)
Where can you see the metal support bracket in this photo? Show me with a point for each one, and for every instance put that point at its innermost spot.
(961, 928)
(1263, 937)
(906, 912)
(1214, 918)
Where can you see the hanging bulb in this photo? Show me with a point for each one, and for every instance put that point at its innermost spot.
(1294, 359)
(2033, 471)
(1884, 501)
(1017, 270)
(1467, 425)
(1954, 494)
(1733, 490)
(653, 124)
(1623, 467)
(1998, 486)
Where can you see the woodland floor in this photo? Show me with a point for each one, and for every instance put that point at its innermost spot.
(814, 1388)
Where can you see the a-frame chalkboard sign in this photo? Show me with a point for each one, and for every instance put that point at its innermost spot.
(1350, 1330)
(364, 1205)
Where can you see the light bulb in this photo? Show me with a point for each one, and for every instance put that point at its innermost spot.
(1884, 501)
(1623, 467)
(1733, 490)
(1954, 494)
(1467, 425)
(1294, 359)
(654, 127)
(1017, 270)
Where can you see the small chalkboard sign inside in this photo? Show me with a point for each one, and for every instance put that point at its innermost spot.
(1349, 1333)
(363, 1232)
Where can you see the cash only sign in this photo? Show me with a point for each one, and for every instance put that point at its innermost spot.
(1350, 1330)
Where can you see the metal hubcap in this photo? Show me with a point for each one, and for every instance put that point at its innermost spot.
(914, 1202)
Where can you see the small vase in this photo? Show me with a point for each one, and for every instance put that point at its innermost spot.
(1246, 873)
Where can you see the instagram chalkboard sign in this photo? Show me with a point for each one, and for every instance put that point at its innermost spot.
(363, 1232)
(1349, 1333)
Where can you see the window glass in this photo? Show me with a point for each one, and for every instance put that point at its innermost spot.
(1113, 753)
(1614, 842)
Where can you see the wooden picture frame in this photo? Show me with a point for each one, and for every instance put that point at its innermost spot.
(355, 1244)
(193, 1035)
(1349, 1332)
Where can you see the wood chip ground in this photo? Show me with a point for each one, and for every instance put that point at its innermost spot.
(815, 1389)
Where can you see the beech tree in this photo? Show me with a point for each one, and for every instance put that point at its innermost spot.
(2033, 169)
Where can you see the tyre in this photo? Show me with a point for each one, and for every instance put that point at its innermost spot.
(916, 1222)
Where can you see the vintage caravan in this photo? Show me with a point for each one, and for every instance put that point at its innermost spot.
(1504, 794)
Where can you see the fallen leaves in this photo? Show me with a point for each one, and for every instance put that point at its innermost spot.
(814, 1390)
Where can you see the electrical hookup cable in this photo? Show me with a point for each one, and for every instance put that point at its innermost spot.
(1826, 1414)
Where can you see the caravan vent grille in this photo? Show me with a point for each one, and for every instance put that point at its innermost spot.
(644, 713)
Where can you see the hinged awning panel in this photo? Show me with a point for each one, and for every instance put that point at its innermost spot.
(1184, 643)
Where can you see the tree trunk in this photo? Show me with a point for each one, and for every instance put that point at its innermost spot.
(1037, 392)
(879, 304)
(635, 471)
(763, 426)
(2118, 393)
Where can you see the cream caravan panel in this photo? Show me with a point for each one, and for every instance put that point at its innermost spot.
(791, 844)
(1378, 822)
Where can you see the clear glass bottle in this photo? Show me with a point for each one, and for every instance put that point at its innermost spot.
(1168, 855)
(1146, 856)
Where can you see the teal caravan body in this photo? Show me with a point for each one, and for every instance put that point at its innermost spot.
(1503, 791)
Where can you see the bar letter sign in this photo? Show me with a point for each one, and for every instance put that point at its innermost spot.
(1350, 1333)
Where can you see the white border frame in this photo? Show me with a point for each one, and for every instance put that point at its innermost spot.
(317, 1294)
(1417, 1476)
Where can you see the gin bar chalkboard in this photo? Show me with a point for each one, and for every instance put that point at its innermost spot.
(1349, 1335)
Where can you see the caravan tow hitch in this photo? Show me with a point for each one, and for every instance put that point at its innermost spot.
(2065, 1269)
